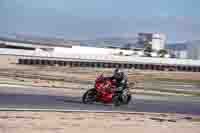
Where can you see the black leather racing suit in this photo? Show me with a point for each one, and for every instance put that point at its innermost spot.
(121, 83)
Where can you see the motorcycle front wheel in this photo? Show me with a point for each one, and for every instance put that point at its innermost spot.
(117, 100)
(128, 99)
(89, 96)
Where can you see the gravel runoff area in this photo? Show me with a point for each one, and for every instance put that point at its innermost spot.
(77, 122)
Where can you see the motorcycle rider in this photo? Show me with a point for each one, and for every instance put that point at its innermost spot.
(114, 89)
(121, 80)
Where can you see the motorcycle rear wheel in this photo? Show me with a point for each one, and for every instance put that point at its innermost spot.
(89, 96)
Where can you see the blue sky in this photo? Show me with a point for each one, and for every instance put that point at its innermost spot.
(80, 19)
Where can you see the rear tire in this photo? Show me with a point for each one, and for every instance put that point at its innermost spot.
(89, 96)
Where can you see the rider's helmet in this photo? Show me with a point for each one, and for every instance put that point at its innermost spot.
(118, 74)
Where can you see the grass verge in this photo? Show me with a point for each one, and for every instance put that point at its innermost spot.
(172, 91)
(197, 82)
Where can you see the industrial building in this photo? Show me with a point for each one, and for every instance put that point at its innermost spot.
(157, 40)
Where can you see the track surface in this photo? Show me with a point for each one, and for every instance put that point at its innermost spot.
(29, 98)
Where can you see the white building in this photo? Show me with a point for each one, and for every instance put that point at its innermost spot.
(181, 54)
(82, 50)
(157, 40)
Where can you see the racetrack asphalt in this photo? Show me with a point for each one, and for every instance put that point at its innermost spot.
(14, 97)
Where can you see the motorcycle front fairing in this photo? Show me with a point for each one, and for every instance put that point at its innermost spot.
(103, 89)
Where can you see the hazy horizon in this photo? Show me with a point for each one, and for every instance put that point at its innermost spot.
(89, 19)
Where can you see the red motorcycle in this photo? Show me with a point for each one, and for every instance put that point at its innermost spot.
(104, 91)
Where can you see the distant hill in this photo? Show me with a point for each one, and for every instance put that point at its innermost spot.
(39, 40)
(114, 42)
(177, 46)
(195, 42)
(183, 46)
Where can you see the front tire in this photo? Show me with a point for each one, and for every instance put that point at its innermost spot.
(89, 96)
(126, 96)
(129, 97)
(117, 100)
